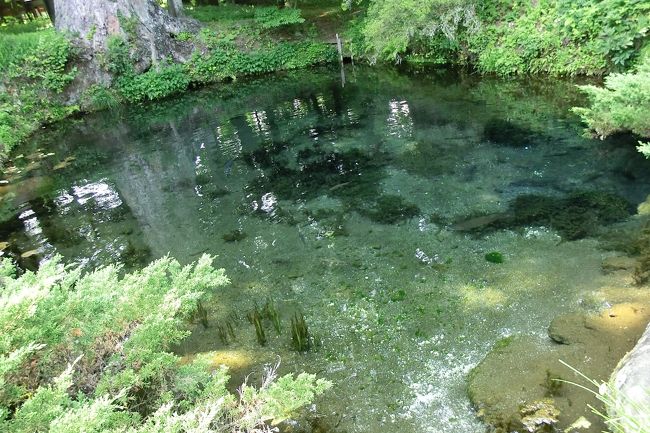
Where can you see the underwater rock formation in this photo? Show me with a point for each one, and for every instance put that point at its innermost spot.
(575, 216)
(521, 372)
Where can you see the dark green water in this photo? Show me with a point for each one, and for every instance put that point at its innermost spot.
(356, 205)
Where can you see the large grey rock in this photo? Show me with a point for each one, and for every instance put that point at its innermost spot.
(631, 383)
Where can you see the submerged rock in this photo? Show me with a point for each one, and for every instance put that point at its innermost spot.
(521, 373)
(575, 216)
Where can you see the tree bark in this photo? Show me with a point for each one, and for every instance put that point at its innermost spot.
(148, 28)
(175, 8)
(49, 7)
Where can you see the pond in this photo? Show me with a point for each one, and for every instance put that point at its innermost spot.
(413, 217)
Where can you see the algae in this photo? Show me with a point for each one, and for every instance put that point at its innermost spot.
(494, 257)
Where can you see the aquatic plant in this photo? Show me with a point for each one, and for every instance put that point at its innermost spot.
(201, 314)
(390, 209)
(300, 338)
(353, 176)
(398, 296)
(494, 257)
(255, 318)
(553, 384)
(271, 313)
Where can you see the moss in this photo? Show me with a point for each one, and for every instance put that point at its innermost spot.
(391, 209)
(501, 344)
(494, 257)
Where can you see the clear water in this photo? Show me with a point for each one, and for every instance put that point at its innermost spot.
(297, 168)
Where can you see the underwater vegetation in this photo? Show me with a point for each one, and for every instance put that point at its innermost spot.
(226, 333)
(494, 257)
(255, 318)
(201, 315)
(300, 338)
(575, 216)
(391, 209)
(259, 317)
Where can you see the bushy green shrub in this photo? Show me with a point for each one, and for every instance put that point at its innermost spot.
(229, 62)
(91, 353)
(564, 37)
(154, 84)
(33, 68)
(224, 13)
(622, 105)
(117, 58)
(272, 17)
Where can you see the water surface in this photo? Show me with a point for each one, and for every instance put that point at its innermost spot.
(369, 208)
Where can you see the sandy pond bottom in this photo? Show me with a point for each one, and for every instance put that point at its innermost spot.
(369, 209)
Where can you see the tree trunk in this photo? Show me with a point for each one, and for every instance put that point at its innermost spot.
(143, 23)
(175, 8)
(49, 7)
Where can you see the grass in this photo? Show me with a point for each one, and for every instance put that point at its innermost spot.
(16, 47)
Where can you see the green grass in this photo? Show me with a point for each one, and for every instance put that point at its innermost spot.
(223, 13)
(16, 47)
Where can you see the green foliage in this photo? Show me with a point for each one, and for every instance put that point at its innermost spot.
(34, 68)
(394, 27)
(622, 105)
(272, 17)
(223, 13)
(98, 97)
(229, 62)
(118, 56)
(154, 84)
(625, 413)
(91, 353)
(504, 37)
(559, 37)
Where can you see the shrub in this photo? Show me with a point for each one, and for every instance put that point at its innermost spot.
(91, 353)
(272, 17)
(33, 68)
(622, 105)
(154, 84)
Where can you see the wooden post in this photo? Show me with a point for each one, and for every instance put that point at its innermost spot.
(339, 47)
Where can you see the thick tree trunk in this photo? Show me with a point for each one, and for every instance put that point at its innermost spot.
(49, 7)
(175, 8)
(147, 27)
